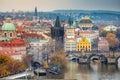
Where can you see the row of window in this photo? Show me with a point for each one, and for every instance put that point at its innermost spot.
(5, 34)
(70, 47)
(83, 46)
(86, 25)
(84, 49)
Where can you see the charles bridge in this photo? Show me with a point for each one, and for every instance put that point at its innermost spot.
(104, 57)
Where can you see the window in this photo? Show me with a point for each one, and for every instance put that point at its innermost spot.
(10, 34)
(5, 34)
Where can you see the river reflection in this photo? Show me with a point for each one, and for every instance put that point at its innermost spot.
(92, 72)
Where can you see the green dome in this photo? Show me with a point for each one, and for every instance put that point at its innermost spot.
(8, 26)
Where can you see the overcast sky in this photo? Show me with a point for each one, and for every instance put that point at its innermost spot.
(49, 5)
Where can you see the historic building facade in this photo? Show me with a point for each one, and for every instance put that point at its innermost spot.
(83, 44)
(89, 34)
(103, 44)
(69, 38)
(11, 42)
(85, 23)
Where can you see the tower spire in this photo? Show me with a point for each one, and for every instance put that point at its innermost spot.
(57, 22)
(35, 14)
(70, 20)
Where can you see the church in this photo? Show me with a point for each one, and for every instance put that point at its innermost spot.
(11, 41)
(57, 32)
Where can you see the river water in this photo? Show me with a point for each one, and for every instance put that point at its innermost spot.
(92, 72)
(88, 72)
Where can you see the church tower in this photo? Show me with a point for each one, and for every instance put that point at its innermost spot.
(35, 17)
(70, 30)
(69, 39)
(57, 32)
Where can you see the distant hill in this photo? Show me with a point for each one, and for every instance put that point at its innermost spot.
(86, 11)
(94, 14)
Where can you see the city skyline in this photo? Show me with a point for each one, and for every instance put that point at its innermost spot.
(50, 5)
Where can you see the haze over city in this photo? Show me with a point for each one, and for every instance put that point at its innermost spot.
(49, 5)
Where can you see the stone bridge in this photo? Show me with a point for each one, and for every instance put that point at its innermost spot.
(107, 58)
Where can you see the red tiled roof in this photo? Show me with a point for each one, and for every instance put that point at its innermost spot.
(19, 28)
(31, 34)
(13, 43)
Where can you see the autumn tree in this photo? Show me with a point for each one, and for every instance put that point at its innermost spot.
(102, 32)
(16, 66)
(10, 66)
(110, 35)
(4, 58)
(58, 58)
(4, 70)
(113, 41)
(27, 60)
(51, 47)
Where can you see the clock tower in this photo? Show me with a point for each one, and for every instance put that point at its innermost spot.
(70, 30)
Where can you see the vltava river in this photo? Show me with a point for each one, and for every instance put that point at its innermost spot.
(92, 72)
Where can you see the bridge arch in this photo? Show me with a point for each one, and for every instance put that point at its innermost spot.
(117, 60)
(36, 64)
(100, 57)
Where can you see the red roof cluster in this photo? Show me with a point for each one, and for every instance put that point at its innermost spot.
(13, 43)
(31, 34)
(19, 28)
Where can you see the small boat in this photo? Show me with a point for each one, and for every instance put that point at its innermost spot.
(54, 69)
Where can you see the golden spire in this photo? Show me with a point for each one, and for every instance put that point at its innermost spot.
(85, 18)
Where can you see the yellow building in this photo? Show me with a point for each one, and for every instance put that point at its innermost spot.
(83, 44)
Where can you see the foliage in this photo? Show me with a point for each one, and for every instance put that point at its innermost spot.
(110, 35)
(4, 70)
(102, 32)
(10, 66)
(4, 58)
(45, 64)
(58, 58)
(16, 66)
(27, 60)
(113, 41)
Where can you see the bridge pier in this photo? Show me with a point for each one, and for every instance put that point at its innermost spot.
(102, 57)
(111, 60)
